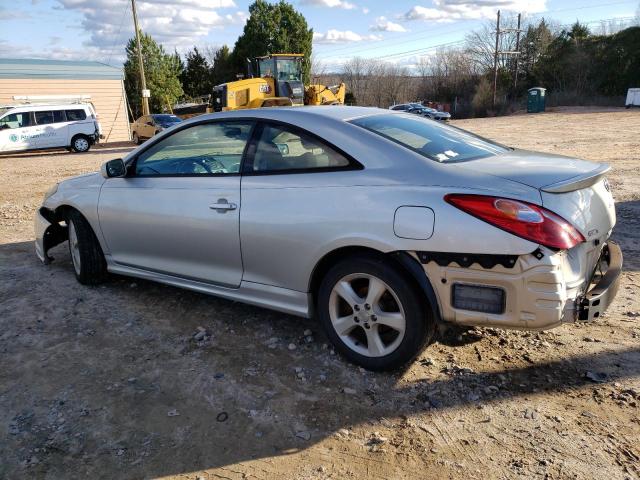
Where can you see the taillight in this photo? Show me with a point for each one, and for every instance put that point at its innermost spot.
(523, 219)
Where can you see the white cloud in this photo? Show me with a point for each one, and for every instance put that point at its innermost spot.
(365, 10)
(451, 10)
(346, 36)
(174, 23)
(329, 3)
(384, 25)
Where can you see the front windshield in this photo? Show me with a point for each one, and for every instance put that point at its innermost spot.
(289, 70)
(430, 139)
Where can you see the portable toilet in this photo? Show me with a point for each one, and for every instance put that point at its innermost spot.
(633, 98)
(536, 100)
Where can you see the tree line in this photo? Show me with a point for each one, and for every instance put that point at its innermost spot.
(576, 66)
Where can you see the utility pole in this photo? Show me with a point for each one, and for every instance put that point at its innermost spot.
(515, 76)
(495, 59)
(143, 82)
(499, 52)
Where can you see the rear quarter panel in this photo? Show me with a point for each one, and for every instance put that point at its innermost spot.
(289, 222)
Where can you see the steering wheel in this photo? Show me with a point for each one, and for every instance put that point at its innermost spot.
(210, 164)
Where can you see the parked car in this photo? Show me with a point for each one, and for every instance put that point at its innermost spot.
(430, 113)
(418, 108)
(42, 126)
(403, 106)
(149, 125)
(380, 224)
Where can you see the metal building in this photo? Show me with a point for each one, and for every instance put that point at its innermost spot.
(37, 81)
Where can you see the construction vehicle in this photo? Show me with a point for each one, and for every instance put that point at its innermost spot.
(277, 82)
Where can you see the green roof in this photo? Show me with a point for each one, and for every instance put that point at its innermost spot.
(77, 70)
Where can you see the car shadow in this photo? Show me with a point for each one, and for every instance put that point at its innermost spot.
(141, 398)
(121, 148)
(627, 233)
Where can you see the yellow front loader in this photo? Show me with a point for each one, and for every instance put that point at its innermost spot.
(278, 83)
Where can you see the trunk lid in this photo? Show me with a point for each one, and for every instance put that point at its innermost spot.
(574, 189)
(531, 168)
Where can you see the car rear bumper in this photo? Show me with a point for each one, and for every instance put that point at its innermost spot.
(536, 295)
(593, 304)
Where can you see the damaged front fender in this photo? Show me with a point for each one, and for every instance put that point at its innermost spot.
(49, 233)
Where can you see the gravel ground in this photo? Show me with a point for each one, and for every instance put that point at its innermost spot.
(138, 380)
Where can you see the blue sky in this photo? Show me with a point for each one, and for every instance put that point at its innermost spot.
(399, 31)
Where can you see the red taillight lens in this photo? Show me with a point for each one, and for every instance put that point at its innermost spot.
(523, 219)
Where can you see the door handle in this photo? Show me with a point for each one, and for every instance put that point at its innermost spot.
(222, 205)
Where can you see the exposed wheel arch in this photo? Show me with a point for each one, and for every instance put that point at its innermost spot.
(400, 260)
(57, 233)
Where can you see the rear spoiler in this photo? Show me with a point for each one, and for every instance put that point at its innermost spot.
(579, 181)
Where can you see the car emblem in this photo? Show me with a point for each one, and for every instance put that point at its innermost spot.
(606, 185)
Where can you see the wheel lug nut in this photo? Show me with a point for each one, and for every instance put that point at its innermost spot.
(356, 319)
(367, 306)
(374, 318)
(366, 325)
(356, 308)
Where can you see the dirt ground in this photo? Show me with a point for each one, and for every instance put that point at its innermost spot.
(109, 382)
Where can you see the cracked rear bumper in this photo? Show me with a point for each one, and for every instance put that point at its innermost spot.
(538, 291)
(597, 299)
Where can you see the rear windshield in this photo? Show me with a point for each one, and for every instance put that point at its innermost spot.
(434, 141)
(76, 115)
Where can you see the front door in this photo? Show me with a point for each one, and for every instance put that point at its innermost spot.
(15, 132)
(178, 211)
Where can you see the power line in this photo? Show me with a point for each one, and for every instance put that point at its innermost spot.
(418, 51)
(117, 37)
(358, 49)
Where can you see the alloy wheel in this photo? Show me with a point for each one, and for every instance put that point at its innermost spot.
(367, 315)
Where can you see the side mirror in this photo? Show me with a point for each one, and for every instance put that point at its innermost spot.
(113, 169)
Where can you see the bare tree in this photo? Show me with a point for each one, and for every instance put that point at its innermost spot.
(481, 43)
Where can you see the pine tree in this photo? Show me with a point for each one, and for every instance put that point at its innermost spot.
(161, 70)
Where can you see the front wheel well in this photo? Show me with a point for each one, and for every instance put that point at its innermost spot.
(398, 259)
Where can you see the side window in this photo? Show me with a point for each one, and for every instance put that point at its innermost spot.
(76, 115)
(43, 118)
(16, 120)
(283, 148)
(58, 116)
(205, 149)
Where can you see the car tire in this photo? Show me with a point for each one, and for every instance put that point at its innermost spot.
(87, 258)
(80, 143)
(136, 138)
(380, 328)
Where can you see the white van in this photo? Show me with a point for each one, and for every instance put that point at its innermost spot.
(31, 126)
(633, 98)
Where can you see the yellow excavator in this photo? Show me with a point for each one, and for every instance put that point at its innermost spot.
(277, 82)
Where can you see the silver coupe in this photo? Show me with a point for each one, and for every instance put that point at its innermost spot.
(380, 224)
